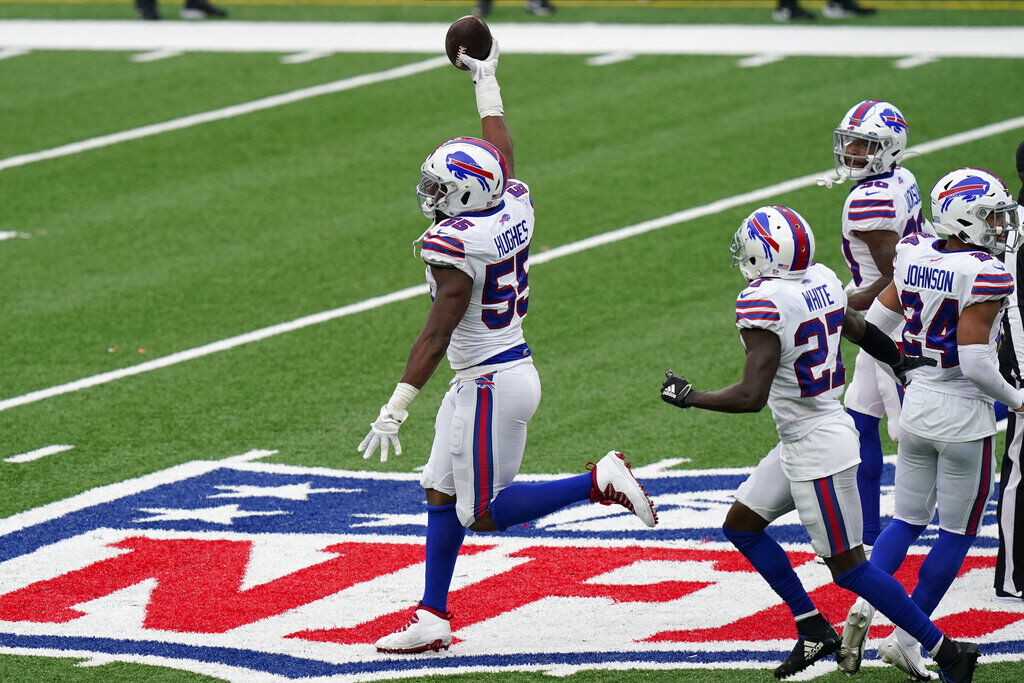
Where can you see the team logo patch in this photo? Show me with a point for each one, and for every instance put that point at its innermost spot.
(969, 189)
(245, 570)
(894, 120)
(463, 166)
(757, 229)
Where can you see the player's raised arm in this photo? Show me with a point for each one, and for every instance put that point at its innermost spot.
(488, 103)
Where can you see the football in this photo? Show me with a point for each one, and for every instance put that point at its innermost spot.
(468, 35)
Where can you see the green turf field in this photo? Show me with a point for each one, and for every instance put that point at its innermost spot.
(158, 245)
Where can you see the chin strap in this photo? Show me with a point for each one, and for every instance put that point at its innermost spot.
(898, 159)
(416, 242)
(827, 181)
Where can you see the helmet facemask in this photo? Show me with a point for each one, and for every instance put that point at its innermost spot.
(751, 266)
(1000, 233)
(850, 147)
(432, 193)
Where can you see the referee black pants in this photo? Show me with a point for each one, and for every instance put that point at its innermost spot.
(1010, 514)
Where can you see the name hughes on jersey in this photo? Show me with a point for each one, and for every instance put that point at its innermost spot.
(512, 239)
(929, 278)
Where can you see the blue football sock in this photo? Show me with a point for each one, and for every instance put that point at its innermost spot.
(522, 502)
(888, 597)
(444, 538)
(772, 563)
(892, 544)
(869, 473)
(939, 569)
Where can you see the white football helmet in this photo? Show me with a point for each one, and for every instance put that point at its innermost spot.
(463, 174)
(874, 133)
(774, 241)
(974, 206)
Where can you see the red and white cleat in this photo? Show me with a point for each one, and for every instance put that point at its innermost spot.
(614, 483)
(428, 629)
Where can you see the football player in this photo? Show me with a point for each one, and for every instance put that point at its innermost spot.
(883, 207)
(947, 295)
(476, 253)
(791, 316)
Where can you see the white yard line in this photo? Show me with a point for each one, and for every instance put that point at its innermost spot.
(610, 58)
(524, 38)
(759, 60)
(38, 453)
(916, 60)
(155, 55)
(303, 57)
(550, 255)
(7, 53)
(225, 113)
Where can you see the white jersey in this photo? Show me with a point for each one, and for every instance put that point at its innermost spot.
(491, 247)
(891, 202)
(935, 287)
(807, 315)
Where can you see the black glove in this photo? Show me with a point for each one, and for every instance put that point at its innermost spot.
(677, 390)
(908, 363)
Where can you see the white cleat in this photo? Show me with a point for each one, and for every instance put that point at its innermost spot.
(614, 483)
(907, 660)
(855, 633)
(428, 629)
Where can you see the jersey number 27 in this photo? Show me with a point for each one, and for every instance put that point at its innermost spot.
(809, 361)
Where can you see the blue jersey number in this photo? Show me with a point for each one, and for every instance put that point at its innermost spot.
(806, 365)
(495, 293)
(941, 335)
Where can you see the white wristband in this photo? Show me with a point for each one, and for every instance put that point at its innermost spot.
(403, 396)
(883, 317)
(488, 97)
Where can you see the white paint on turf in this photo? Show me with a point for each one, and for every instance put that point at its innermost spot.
(759, 60)
(155, 55)
(303, 57)
(38, 453)
(7, 53)
(610, 58)
(916, 60)
(557, 38)
(558, 252)
(226, 112)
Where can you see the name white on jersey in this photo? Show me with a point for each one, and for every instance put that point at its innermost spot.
(935, 287)
(492, 247)
(890, 202)
(807, 315)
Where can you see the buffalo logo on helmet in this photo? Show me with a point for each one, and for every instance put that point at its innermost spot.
(894, 120)
(757, 230)
(463, 166)
(969, 189)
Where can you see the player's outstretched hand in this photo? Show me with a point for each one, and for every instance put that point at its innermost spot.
(480, 69)
(384, 433)
(676, 390)
(908, 363)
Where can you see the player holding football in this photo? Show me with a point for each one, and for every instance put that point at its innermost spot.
(791, 316)
(947, 295)
(883, 207)
(476, 251)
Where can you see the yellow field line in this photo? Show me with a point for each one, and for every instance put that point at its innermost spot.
(684, 4)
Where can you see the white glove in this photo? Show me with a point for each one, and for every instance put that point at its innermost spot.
(384, 433)
(384, 430)
(488, 94)
(482, 68)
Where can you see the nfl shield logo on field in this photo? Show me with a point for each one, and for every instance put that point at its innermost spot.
(241, 569)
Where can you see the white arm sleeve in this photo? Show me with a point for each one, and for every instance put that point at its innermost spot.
(883, 317)
(977, 365)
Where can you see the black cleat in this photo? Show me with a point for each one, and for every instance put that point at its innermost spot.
(962, 669)
(541, 8)
(807, 652)
(792, 12)
(201, 9)
(846, 9)
(146, 10)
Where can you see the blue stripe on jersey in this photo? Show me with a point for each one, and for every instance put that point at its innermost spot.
(756, 316)
(861, 203)
(430, 246)
(755, 303)
(864, 215)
